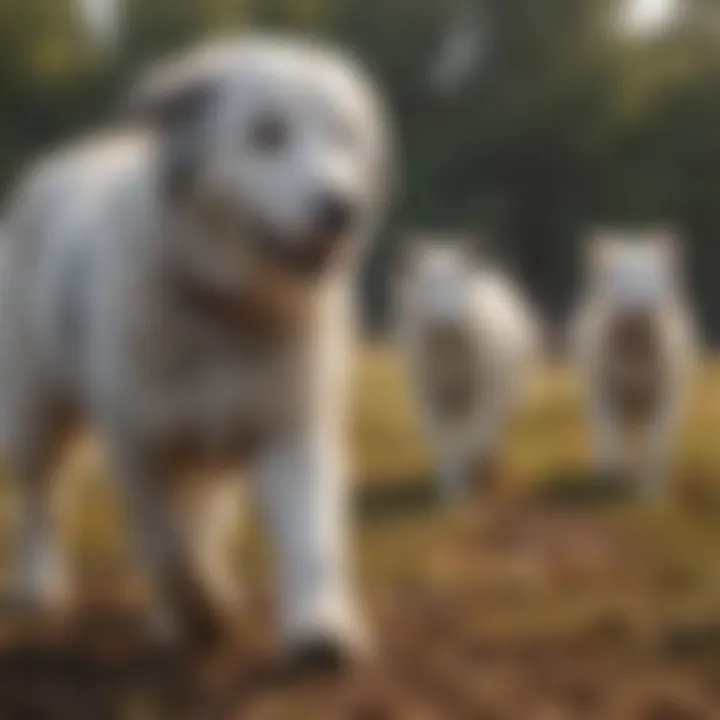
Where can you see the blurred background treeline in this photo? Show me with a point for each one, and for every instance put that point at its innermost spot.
(524, 120)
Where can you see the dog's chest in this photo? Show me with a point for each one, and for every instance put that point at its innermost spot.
(634, 364)
(451, 369)
(227, 389)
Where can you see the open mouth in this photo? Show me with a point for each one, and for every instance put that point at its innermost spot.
(307, 256)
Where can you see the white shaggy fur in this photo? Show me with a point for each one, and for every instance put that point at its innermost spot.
(443, 286)
(170, 282)
(635, 275)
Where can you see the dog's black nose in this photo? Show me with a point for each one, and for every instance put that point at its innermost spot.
(334, 214)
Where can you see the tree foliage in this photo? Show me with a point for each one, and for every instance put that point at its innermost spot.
(566, 121)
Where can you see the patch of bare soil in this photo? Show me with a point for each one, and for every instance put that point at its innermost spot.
(533, 611)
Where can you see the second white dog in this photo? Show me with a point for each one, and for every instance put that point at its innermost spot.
(469, 340)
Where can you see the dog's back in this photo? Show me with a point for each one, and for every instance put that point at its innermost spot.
(52, 241)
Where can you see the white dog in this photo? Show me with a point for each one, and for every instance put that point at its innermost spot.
(635, 344)
(469, 341)
(184, 283)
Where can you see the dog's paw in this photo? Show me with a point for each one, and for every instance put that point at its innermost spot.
(322, 655)
(336, 644)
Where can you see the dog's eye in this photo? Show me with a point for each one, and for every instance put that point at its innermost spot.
(269, 133)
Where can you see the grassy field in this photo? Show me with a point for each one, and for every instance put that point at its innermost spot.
(553, 597)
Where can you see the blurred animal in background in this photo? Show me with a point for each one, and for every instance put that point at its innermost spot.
(184, 282)
(469, 342)
(634, 342)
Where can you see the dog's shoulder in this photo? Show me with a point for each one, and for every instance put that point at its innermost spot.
(101, 173)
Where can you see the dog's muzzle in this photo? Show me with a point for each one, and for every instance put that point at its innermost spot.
(310, 255)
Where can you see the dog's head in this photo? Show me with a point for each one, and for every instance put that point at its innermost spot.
(635, 271)
(277, 148)
(435, 276)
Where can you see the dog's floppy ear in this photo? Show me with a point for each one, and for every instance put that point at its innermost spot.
(600, 247)
(174, 97)
(668, 242)
(170, 91)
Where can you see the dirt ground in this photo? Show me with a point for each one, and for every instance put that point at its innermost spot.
(543, 607)
(550, 596)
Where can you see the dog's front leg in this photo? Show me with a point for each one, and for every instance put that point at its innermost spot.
(41, 578)
(656, 456)
(610, 451)
(209, 515)
(302, 485)
(31, 445)
(489, 426)
(452, 458)
(454, 471)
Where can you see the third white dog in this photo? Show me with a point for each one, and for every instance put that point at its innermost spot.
(469, 341)
(634, 341)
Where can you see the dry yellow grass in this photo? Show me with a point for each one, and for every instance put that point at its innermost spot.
(556, 598)
(549, 437)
